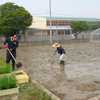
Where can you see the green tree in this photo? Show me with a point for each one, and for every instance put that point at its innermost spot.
(79, 26)
(90, 27)
(94, 27)
(13, 18)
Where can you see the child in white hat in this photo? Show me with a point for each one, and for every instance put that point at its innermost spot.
(61, 51)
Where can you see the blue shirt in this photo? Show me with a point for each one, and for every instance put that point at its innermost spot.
(11, 44)
(61, 50)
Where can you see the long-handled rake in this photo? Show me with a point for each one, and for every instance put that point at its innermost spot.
(48, 58)
(18, 64)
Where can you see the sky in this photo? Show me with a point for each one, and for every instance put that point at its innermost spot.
(64, 8)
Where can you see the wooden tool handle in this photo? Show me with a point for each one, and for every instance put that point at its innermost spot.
(11, 54)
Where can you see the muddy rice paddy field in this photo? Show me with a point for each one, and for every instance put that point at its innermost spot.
(78, 80)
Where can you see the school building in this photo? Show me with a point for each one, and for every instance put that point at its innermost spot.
(61, 30)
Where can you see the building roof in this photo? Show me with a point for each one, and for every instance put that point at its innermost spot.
(96, 32)
(77, 18)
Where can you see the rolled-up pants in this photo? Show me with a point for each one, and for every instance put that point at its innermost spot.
(9, 57)
(62, 57)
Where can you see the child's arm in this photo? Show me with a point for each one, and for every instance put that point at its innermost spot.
(55, 52)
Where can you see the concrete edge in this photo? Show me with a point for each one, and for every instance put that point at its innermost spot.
(48, 92)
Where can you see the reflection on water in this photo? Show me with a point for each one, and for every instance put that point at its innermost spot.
(62, 71)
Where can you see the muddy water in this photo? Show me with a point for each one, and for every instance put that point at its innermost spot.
(78, 80)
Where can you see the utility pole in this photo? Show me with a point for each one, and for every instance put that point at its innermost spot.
(50, 21)
(57, 31)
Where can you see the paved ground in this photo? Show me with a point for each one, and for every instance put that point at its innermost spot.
(78, 80)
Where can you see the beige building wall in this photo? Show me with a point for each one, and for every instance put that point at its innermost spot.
(38, 22)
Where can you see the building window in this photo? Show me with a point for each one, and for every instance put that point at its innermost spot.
(54, 23)
(48, 33)
(67, 32)
(58, 23)
(32, 34)
(48, 23)
(59, 33)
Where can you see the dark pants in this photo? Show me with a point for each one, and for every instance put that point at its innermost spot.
(9, 57)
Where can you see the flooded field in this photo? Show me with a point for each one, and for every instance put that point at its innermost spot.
(78, 80)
